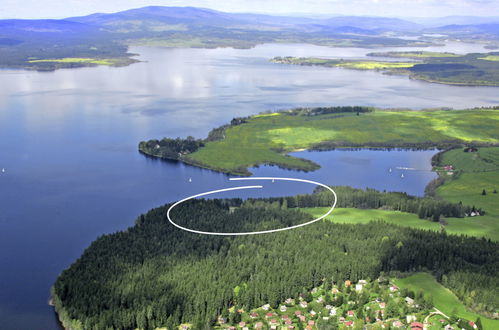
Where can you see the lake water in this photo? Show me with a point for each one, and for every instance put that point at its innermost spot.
(68, 142)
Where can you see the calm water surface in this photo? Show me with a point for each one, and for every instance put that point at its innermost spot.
(68, 142)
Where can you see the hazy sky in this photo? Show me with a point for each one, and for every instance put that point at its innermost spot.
(401, 8)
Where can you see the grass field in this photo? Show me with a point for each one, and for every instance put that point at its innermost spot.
(443, 298)
(477, 226)
(76, 60)
(266, 139)
(490, 58)
(375, 65)
(480, 170)
(415, 54)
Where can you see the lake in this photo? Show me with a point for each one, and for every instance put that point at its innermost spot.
(68, 142)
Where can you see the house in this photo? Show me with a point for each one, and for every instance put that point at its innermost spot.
(382, 305)
(269, 315)
(285, 317)
(448, 168)
(348, 283)
(283, 308)
(242, 324)
(473, 325)
(363, 282)
(350, 313)
(258, 325)
(409, 301)
(266, 307)
(349, 323)
(397, 324)
(297, 313)
(394, 288)
(302, 318)
(245, 328)
(291, 326)
(184, 327)
(253, 315)
(320, 299)
(311, 322)
(358, 287)
(222, 320)
(314, 290)
(289, 301)
(334, 291)
(273, 321)
(303, 304)
(232, 328)
(416, 326)
(288, 322)
(410, 318)
(325, 318)
(273, 327)
(332, 312)
(329, 307)
(309, 327)
(341, 319)
(448, 327)
(313, 313)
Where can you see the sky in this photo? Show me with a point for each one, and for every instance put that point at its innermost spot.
(394, 8)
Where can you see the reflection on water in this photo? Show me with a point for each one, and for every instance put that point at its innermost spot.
(68, 140)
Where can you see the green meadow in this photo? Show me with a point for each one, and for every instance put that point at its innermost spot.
(486, 226)
(443, 298)
(479, 171)
(266, 139)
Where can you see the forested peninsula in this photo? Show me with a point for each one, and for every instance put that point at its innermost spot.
(155, 275)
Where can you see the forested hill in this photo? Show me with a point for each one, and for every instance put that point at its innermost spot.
(155, 275)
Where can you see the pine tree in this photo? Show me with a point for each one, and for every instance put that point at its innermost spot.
(484, 192)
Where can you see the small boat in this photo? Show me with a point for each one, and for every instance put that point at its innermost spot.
(273, 180)
(3, 170)
(402, 176)
(390, 170)
(190, 179)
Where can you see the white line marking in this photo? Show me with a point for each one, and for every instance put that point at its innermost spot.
(251, 187)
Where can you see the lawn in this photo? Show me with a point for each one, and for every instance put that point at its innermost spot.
(443, 298)
(267, 139)
(490, 58)
(77, 60)
(486, 226)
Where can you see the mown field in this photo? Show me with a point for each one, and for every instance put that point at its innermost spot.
(266, 139)
(486, 226)
(443, 298)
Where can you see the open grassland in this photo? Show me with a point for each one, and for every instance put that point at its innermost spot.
(443, 298)
(415, 54)
(490, 58)
(375, 65)
(486, 159)
(479, 171)
(487, 227)
(266, 139)
(77, 60)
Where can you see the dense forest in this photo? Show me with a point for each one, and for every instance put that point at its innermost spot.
(425, 208)
(170, 148)
(154, 274)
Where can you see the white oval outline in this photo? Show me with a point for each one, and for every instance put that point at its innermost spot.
(251, 187)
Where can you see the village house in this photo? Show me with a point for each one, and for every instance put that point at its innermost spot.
(332, 312)
(348, 283)
(283, 308)
(289, 301)
(266, 307)
(253, 315)
(349, 323)
(222, 320)
(363, 282)
(242, 324)
(258, 325)
(313, 313)
(397, 324)
(302, 318)
(288, 322)
(358, 287)
(311, 322)
(410, 318)
(297, 313)
(334, 291)
(329, 307)
(473, 325)
(350, 313)
(303, 304)
(416, 326)
(269, 315)
(409, 301)
(394, 288)
(448, 327)
(320, 299)
(382, 305)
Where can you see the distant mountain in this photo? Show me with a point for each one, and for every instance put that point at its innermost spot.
(479, 30)
(454, 20)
